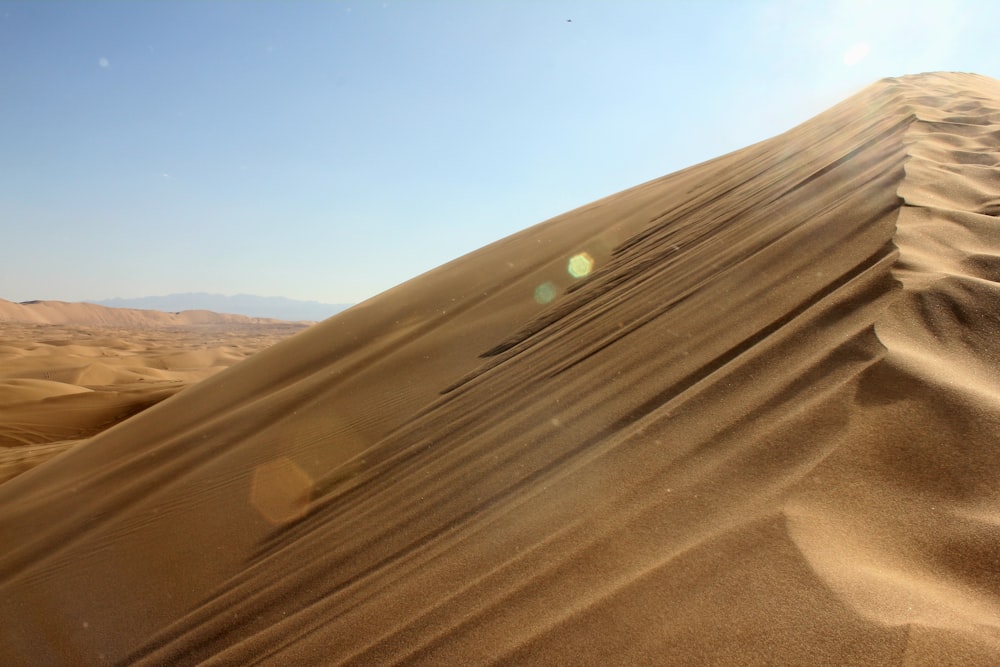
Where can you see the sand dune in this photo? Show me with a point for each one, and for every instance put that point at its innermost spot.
(745, 414)
(62, 384)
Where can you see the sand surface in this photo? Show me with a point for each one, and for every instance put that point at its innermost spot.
(759, 426)
(63, 383)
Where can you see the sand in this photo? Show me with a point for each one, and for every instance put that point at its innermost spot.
(63, 383)
(758, 426)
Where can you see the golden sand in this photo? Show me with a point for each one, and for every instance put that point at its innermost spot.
(745, 414)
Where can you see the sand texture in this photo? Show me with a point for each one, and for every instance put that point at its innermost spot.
(61, 384)
(761, 427)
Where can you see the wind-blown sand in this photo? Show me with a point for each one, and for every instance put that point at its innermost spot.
(761, 430)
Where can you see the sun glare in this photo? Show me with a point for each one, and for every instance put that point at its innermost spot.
(856, 53)
(580, 265)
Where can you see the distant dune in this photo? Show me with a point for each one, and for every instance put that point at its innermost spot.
(274, 307)
(61, 383)
(744, 414)
(88, 314)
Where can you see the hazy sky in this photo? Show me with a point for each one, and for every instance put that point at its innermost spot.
(331, 150)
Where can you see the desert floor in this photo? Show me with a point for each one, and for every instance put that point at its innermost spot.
(61, 384)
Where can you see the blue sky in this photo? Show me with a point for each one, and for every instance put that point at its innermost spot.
(331, 150)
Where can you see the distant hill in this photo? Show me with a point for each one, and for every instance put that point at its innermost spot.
(91, 314)
(275, 307)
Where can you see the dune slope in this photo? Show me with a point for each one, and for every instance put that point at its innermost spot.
(758, 426)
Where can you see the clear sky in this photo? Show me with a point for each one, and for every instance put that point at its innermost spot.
(331, 150)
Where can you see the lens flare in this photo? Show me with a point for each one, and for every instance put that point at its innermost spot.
(580, 265)
(545, 293)
(280, 490)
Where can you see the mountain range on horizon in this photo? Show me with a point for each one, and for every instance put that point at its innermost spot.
(95, 315)
(251, 305)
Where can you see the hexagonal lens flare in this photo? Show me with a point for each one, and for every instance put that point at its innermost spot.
(580, 265)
